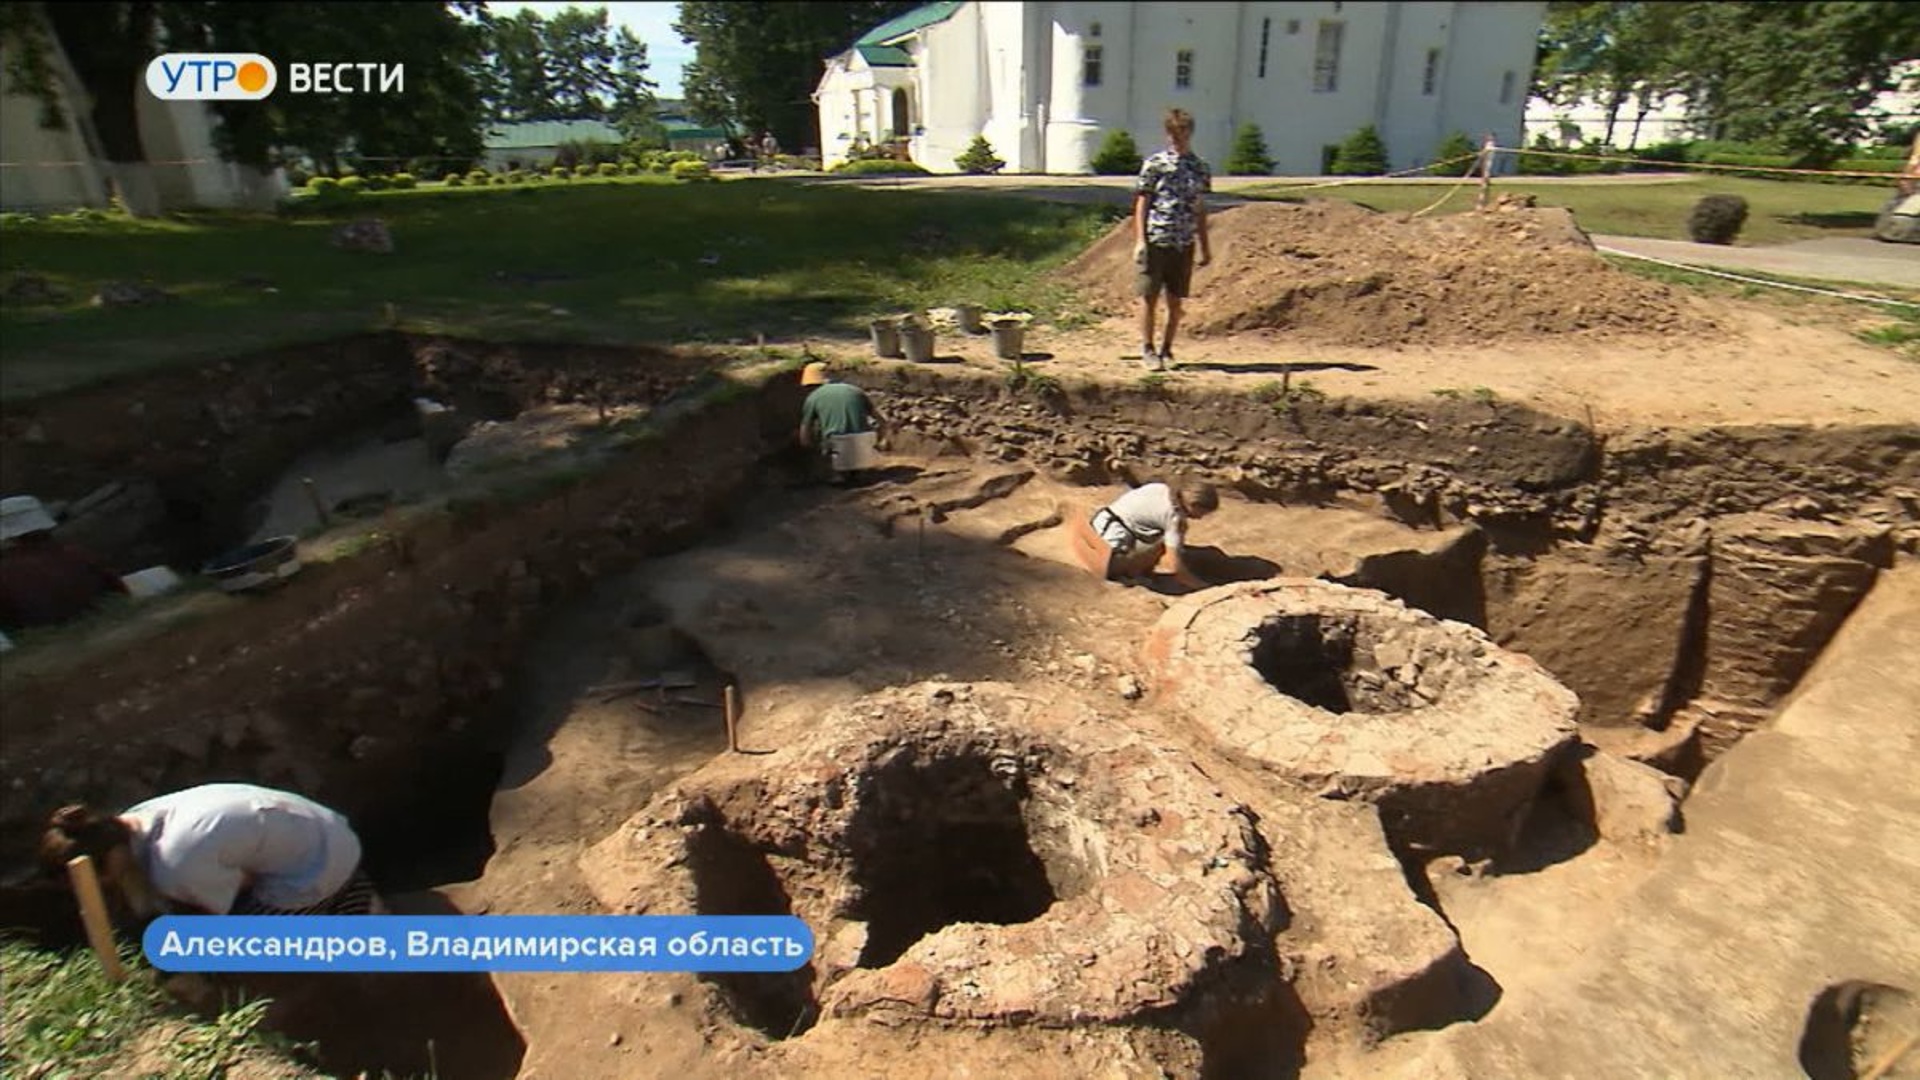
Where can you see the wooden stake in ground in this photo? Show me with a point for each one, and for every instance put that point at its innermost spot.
(93, 913)
(1486, 172)
(319, 505)
(733, 729)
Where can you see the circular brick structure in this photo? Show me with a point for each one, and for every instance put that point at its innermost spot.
(963, 854)
(1357, 696)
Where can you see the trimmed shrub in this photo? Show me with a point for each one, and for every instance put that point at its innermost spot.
(478, 176)
(630, 168)
(353, 184)
(376, 183)
(692, 171)
(979, 158)
(1456, 145)
(608, 168)
(1363, 154)
(1119, 155)
(321, 185)
(878, 167)
(582, 171)
(561, 173)
(402, 181)
(454, 179)
(1717, 219)
(1249, 156)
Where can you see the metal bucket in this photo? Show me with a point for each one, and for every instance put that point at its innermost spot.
(919, 343)
(1009, 339)
(257, 565)
(968, 316)
(886, 337)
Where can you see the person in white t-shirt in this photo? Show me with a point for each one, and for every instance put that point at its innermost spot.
(1131, 536)
(220, 849)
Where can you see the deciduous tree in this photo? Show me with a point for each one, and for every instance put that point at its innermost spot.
(756, 64)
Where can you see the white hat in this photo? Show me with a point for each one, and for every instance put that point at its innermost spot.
(23, 514)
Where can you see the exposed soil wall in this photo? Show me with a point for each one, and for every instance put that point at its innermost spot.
(194, 446)
(378, 684)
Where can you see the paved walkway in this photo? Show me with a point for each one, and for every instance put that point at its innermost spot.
(1799, 869)
(1839, 258)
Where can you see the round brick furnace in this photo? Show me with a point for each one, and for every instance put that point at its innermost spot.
(1357, 696)
(963, 854)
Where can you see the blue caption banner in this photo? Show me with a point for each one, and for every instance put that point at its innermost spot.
(283, 943)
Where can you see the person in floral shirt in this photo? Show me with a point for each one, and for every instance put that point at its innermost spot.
(1169, 217)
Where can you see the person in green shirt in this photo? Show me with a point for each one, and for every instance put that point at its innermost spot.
(835, 411)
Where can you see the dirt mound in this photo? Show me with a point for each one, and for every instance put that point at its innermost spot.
(1336, 273)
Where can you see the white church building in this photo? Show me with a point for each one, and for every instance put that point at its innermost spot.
(1046, 81)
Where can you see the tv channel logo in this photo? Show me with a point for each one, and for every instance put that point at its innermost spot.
(211, 77)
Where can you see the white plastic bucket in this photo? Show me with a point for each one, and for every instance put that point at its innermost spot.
(853, 452)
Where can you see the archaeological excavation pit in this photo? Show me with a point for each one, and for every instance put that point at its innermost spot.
(1357, 696)
(964, 853)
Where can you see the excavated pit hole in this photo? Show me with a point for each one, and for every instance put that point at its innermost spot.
(1856, 1029)
(732, 877)
(1328, 661)
(947, 844)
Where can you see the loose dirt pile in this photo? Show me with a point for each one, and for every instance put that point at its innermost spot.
(1340, 274)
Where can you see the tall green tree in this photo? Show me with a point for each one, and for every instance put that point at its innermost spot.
(513, 77)
(756, 64)
(1610, 53)
(572, 66)
(1801, 76)
(434, 123)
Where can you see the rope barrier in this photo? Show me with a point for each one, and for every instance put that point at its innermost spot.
(1862, 297)
(1889, 177)
(1342, 181)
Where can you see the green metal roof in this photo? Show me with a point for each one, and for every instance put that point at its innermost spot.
(900, 26)
(884, 55)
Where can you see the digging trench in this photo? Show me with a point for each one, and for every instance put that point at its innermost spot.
(1678, 582)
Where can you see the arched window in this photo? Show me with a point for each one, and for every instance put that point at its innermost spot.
(902, 122)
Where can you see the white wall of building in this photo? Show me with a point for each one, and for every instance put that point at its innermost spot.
(1014, 71)
(52, 169)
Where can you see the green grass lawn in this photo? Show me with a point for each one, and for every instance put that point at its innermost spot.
(63, 1019)
(632, 260)
(1778, 211)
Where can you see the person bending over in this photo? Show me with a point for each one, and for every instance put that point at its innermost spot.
(1131, 536)
(838, 422)
(219, 849)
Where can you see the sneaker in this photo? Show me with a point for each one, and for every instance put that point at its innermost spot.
(1164, 360)
(1148, 356)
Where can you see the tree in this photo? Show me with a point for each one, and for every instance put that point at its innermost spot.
(573, 66)
(979, 158)
(514, 74)
(1249, 156)
(1611, 53)
(1799, 76)
(1118, 155)
(756, 65)
(1363, 154)
(107, 45)
(1457, 145)
(1802, 77)
(433, 126)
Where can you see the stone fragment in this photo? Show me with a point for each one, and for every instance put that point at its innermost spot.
(369, 235)
(1627, 802)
